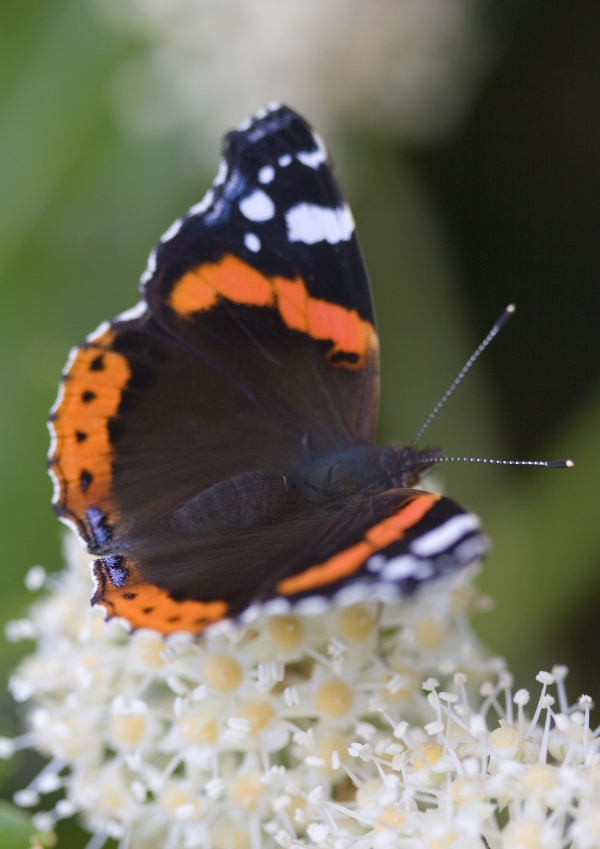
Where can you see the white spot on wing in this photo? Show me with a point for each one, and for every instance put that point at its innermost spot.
(442, 538)
(202, 205)
(424, 570)
(252, 242)
(134, 312)
(353, 594)
(266, 174)
(55, 483)
(222, 171)
(313, 158)
(284, 160)
(277, 607)
(471, 549)
(150, 267)
(258, 206)
(273, 106)
(386, 593)
(172, 231)
(376, 563)
(250, 614)
(312, 606)
(53, 438)
(262, 113)
(309, 223)
(75, 350)
(61, 392)
(399, 568)
(74, 527)
(91, 337)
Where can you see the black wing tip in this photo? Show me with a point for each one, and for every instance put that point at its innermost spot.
(268, 121)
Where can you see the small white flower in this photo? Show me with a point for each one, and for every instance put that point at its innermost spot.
(7, 748)
(26, 798)
(20, 629)
(35, 578)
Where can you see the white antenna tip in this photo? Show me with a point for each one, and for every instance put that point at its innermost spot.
(511, 308)
(569, 464)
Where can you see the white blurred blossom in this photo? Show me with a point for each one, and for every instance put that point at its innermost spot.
(403, 67)
(361, 727)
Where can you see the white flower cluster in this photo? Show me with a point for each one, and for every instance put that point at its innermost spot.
(405, 67)
(361, 727)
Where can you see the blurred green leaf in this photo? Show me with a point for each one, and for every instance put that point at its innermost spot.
(16, 829)
(46, 116)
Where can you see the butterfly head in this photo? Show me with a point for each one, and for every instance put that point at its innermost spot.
(406, 465)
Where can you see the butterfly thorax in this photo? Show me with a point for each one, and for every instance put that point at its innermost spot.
(264, 496)
(365, 469)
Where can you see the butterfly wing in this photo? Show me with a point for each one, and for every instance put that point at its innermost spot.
(255, 345)
(380, 548)
(264, 279)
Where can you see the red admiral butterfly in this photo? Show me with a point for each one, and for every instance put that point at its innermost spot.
(215, 443)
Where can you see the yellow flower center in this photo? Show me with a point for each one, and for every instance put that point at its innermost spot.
(390, 817)
(225, 835)
(465, 790)
(409, 686)
(193, 729)
(246, 790)
(503, 737)
(287, 632)
(429, 634)
(148, 647)
(127, 730)
(355, 623)
(180, 804)
(330, 744)
(540, 777)
(222, 673)
(428, 755)
(259, 714)
(334, 699)
(526, 834)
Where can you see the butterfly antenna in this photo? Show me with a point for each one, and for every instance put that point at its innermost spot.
(507, 313)
(550, 464)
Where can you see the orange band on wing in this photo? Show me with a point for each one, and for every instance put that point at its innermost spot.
(347, 562)
(200, 289)
(81, 459)
(147, 606)
(231, 278)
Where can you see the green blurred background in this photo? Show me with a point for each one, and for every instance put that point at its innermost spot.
(501, 205)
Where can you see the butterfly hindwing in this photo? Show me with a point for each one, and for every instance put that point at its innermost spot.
(376, 549)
